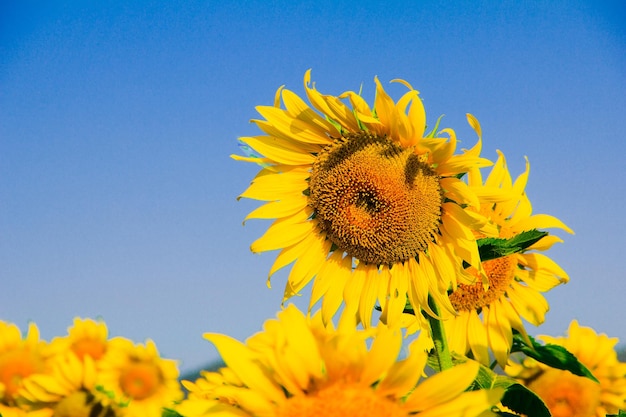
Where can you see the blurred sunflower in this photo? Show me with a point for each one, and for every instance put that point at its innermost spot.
(69, 389)
(298, 367)
(568, 395)
(487, 317)
(87, 337)
(365, 201)
(20, 358)
(138, 375)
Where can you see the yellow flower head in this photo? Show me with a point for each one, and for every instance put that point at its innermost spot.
(69, 389)
(20, 358)
(487, 314)
(88, 337)
(367, 205)
(568, 395)
(298, 367)
(138, 375)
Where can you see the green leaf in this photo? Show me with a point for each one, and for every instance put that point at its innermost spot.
(622, 413)
(516, 396)
(522, 400)
(167, 412)
(492, 248)
(554, 356)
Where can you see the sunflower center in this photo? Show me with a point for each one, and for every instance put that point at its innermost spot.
(499, 271)
(376, 201)
(567, 395)
(140, 380)
(341, 400)
(91, 347)
(16, 365)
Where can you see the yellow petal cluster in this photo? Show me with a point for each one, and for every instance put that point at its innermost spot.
(298, 367)
(488, 314)
(80, 374)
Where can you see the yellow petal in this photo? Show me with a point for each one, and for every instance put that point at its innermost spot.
(477, 338)
(541, 221)
(244, 364)
(403, 375)
(307, 265)
(271, 189)
(539, 261)
(442, 387)
(468, 404)
(459, 191)
(282, 208)
(382, 355)
(369, 294)
(499, 333)
(280, 150)
(281, 234)
(289, 127)
(335, 295)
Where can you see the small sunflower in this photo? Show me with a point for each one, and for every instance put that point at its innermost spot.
(20, 358)
(487, 317)
(367, 205)
(137, 374)
(69, 389)
(568, 395)
(296, 367)
(87, 337)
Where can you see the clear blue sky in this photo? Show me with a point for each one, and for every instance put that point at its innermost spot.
(117, 119)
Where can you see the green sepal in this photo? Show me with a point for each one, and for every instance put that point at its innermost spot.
(554, 356)
(621, 413)
(433, 132)
(168, 412)
(492, 247)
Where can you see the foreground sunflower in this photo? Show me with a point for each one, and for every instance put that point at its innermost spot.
(568, 395)
(365, 201)
(487, 317)
(135, 374)
(297, 367)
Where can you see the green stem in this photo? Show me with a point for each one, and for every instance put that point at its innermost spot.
(442, 352)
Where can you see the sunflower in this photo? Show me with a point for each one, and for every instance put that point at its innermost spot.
(568, 395)
(487, 317)
(136, 374)
(87, 337)
(367, 205)
(20, 358)
(69, 389)
(298, 367)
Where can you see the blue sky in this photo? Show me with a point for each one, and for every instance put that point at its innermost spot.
(117, 119)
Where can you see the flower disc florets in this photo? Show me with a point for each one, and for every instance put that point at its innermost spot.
(375, 200)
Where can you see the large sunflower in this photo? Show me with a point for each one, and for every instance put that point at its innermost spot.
(365, 201)
(568, 395)
(297, 367)
(487, 317)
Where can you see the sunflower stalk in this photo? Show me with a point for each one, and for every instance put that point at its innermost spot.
(441, 351)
